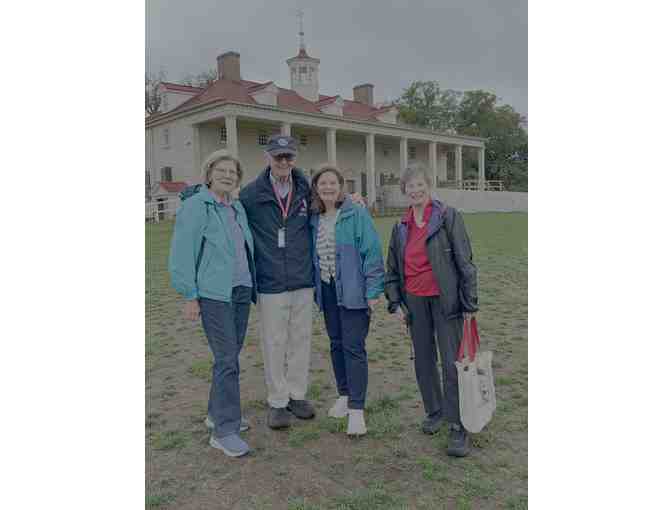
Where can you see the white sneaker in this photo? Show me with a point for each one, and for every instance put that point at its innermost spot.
(356, 425)
(340, 408)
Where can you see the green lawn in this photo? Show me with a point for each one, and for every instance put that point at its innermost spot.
(314, 465)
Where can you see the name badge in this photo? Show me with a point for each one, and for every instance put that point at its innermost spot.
(281, 237)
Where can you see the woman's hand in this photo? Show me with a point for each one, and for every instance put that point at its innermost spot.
(191, 310)
(402, 319)
(468, 316)
(373, 302)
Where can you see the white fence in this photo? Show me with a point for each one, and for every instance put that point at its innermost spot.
(161, 209)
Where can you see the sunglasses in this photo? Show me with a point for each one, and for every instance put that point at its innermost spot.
(288, 157)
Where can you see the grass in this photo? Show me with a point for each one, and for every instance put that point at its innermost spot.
(170, 439)
(202, 369)
(314, 464)
(158, 500)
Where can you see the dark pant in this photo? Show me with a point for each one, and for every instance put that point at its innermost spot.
(429, 327)
(225, 326)
(347, 330)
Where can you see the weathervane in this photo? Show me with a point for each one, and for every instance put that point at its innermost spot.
(299, 14)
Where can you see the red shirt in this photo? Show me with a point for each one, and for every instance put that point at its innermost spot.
(420, 279)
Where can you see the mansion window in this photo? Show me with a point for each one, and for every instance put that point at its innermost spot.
(262, 139)
(166, 137)
(222, 134)
(412, 152)
(303, 139)
(166, 174)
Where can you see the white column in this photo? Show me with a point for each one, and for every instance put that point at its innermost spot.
(403, 155)
(443, 164)
(232, 135)
(196, 148)
(331, 146)
(458, 165)
(481, 169)
(286, 129)
(432, 163)
(371, 169)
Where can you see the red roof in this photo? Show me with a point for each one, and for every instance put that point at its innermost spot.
(238, 91)
(181, 88)
(173, 187)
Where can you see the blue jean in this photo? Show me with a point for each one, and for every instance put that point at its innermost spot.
(347, 330)
(225, 326)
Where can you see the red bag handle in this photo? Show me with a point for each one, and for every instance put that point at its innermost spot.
(472, 339)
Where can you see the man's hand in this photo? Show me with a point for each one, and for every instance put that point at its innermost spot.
(469, 315)
(357, 199)
(373, 302)
(191, 310)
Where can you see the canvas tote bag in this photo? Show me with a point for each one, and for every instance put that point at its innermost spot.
(475, 380)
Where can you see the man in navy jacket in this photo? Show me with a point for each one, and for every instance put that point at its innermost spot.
(277, 205)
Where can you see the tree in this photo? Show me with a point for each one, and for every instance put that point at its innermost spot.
(505, 134)
(424, 104)
(473, 113)
(202, 79)
(153, 93)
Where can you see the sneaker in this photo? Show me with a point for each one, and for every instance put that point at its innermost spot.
(232, 445)
(340, 408)
(356, 425)
(278, 418)
(301, 409)
(431, 425)
(244, 424)
(459, 441)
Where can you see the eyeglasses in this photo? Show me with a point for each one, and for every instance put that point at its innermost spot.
(288, 157)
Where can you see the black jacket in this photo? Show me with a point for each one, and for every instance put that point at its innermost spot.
(279, 269)
(449, 253)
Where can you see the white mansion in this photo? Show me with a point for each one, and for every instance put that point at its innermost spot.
(364, 140)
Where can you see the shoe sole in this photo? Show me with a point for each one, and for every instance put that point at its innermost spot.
(228, 452)
(302, 417)
(455, 453)
(356, 434)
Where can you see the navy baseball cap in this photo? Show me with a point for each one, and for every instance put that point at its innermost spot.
(281, 144)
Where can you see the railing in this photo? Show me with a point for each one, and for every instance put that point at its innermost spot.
(160, 210)
(472, 185)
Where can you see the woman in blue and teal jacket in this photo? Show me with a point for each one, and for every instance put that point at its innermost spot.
(349, 279)
(212, 266)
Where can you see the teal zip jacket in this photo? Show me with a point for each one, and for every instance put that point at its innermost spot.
(202, 251)
(360, 274)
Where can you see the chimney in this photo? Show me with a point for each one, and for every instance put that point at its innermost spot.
(228, 66)
(363, 93)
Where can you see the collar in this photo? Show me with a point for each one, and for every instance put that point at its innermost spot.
(275, 181)
(427, 213)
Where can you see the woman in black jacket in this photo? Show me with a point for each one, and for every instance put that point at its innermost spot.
(431, 286)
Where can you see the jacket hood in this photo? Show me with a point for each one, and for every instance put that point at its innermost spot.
(204, 195)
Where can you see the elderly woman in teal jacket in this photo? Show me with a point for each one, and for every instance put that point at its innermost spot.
(349, 279)
(212, 267)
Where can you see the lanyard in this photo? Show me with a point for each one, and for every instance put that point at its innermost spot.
(284, 209)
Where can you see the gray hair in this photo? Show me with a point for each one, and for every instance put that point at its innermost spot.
(413, 172)
(216, 157)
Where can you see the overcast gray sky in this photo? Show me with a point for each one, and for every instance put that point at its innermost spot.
(462, 44)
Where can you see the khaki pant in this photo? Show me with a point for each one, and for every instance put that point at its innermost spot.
(286, 321)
